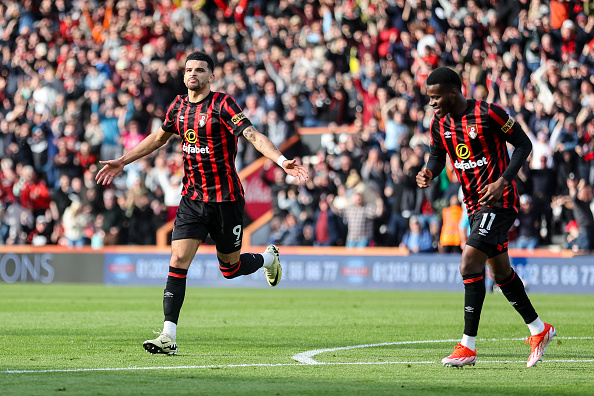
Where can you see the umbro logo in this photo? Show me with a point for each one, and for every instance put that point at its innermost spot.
(513, 303)
(469, 309)
(483, 232)
(168, 294)
(181, 118)
(447, 134)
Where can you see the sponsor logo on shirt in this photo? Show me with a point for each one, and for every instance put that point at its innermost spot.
(191, 149)
(470, 164)
(237, 118)
(462, 151)
(191, 136)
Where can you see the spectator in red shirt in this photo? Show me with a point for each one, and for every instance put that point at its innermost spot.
(84, 158)
(33, 194)
(370, 100)
(8, 178)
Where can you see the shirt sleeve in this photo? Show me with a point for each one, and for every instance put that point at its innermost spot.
(512, 132)
(232, 116)
(437, 153)
(169, 124)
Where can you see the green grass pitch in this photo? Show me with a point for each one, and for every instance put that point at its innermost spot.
(87, 340)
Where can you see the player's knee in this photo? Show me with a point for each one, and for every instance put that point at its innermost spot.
(470, 265)
(178, 261)
(228, 270)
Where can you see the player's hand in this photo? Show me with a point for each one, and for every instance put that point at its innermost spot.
(111, 169)
(424, 178)
(297, 171)
(492, 193)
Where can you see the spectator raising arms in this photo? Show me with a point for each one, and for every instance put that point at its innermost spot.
(103, 73)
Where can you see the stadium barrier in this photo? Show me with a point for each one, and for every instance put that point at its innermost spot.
(324, 268)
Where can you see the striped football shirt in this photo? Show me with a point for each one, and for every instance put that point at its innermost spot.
(476, 143)
(209, 130)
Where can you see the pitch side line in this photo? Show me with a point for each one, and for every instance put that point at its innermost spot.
(152, 368)
(306, 359)
(275, 365)
(307, 356)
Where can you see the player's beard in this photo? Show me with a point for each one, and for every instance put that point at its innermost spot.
(196, 85)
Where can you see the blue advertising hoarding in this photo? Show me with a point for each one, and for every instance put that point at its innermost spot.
(414, 272)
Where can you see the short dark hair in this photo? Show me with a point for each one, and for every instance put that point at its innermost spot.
(445, 76)
(201, 56)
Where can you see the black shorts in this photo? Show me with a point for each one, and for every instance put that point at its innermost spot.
(489, 228)
(222, 220)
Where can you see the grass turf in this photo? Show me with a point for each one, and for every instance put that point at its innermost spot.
(74, 327)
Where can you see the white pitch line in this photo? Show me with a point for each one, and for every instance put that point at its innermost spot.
(151, 368)
(277, 364)
(307, 357)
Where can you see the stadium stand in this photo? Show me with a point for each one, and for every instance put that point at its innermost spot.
(86, 80)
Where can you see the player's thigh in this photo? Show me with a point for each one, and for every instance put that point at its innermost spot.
(183, 252)
(226, 229)
(191, 220)
(489, 228)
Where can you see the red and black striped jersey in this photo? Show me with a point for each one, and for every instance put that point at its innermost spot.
(476, 143)
(209, 130)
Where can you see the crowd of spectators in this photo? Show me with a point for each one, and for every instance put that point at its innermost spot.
(86, 80)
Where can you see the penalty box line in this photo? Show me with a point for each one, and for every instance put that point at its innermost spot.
(306, 359)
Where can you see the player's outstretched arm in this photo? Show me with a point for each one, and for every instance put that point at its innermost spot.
(270, 151)
(112, 168)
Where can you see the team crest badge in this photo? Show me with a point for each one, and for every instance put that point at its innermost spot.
(202, 119)
(471, 131)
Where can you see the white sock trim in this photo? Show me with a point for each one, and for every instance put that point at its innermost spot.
(536, 327)
(268, 259)
(170, 329)
(468, 342)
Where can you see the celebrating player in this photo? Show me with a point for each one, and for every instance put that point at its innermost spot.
(212, 202)
(474, 134)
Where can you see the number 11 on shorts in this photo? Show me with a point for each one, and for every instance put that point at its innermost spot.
(484, 220)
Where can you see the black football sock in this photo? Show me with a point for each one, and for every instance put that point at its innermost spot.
(248, 264)
(175, 291)
(513, 289)
(474, 296)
